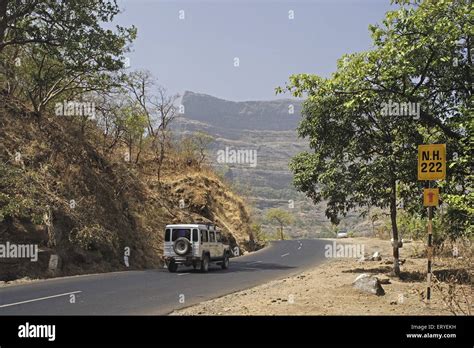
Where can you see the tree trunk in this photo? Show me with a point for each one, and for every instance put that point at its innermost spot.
(140, 144)
(393, 218)
(161, 155)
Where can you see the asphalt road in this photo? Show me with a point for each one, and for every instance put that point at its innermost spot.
(158, 292)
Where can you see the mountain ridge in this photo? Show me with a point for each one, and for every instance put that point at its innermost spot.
(253, 115)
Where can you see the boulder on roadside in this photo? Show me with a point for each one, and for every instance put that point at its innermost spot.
(376, 256)
(369, 284)
(384, 280)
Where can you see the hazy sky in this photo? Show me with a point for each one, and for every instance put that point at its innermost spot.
(198, 52)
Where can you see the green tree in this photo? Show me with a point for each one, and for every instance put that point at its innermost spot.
(134, 123)
(280, 217)
(62, 47)
(365, 156)
(257, 232)
(201, 141)
(193, 147)
(74, 26)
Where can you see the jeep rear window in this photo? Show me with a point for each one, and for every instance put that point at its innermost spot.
(180, 232)
(167, 235)
(195, 235)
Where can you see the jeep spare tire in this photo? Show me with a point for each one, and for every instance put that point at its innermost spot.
(181, 246)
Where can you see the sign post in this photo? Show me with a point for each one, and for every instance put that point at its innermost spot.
(431, 166)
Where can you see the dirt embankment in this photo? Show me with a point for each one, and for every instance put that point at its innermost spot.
(204, 195)
(327, 289)
(61, 189)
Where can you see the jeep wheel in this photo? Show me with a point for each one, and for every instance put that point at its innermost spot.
(205, 264)
(172, 267)
(225, 261)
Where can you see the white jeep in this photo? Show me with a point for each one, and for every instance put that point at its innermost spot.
(193, 245)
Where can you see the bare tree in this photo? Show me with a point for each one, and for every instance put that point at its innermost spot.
(158, 108)
(139, 84)
(166, 113)
(109, 115)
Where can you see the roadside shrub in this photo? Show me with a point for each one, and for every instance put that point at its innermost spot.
(95, 238)
(414, 226)
(456, 220)
(19, 196)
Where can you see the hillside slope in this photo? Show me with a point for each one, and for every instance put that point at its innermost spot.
(59, 191)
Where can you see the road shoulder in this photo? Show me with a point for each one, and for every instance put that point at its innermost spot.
(327, 289)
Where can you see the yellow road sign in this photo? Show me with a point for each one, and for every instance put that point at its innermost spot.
(432, 162)
(431, 197)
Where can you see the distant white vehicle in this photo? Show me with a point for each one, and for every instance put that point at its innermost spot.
(194, 245)
(342, 233)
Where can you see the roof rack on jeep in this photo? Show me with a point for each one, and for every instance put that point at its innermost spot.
(209, 225)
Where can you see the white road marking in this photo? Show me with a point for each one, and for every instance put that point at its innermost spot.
(250, 263)
(285, 254)
(252, 268)
(180, 274)
(39, 299)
